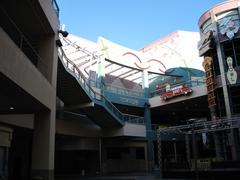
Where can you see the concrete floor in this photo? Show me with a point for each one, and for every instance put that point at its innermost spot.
(118, 177)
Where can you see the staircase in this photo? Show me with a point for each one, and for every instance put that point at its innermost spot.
(102, 111)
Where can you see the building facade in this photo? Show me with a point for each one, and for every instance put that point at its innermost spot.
(219, 45)
(70, 106)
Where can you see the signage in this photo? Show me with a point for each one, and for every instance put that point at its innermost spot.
(229, 27)
(176, 91)
(209, 81)
(231, 73)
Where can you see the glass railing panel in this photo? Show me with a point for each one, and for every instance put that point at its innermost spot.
(124, 91)
(133, 119)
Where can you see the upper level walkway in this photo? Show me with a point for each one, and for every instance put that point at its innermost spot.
(82, 89)
(78, 96)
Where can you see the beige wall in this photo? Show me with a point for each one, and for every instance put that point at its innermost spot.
(76, 128)
(20, 120)
(128, 129)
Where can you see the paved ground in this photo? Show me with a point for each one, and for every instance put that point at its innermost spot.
(117, 177)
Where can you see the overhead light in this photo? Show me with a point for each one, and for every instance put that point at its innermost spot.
(59, 43)
(64, 33)
(11, 107)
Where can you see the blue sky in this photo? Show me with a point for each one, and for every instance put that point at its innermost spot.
(131, 23)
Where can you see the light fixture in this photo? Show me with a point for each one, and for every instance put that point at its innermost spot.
(11, 108)
(59, 43)
(64, 33)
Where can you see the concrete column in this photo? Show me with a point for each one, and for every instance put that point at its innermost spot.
(235, 147)
(149, 136)
(43, 145)
(195, 153)
(45, 122)
(159, 148)
(187, 145)
(194, 145)
(224, 145)
(215, 135)
(100, 155)
(217, 145)
(47, 63)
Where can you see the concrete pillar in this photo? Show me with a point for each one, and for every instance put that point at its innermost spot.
(159, 148)
(100, 155)
(195, 153)
(47, 63)
(43, 145)
(44, 122)
(217, 145)
(234, 139)
(187, 145)
(215, 135)
(149, 136)
(194, 145)
(237, 138)
(224, 145)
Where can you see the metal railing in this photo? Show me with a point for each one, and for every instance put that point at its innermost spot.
(84, 82)
(134, 119)
(55, 7)
(123, 91)
(203, 126)
(191, 83)
(76, 73)
(23, 43)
